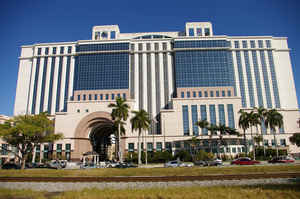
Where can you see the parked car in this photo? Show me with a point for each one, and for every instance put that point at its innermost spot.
(174, 163)
(215, 162)
(57, 164)
(111, 164)
(125, 165)
(11, 165)
(282, 159)
(201, 163)
(245, 161)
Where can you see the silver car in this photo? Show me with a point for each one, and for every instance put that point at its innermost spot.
(174, 163)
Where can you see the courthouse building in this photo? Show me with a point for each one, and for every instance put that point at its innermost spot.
(178, 77)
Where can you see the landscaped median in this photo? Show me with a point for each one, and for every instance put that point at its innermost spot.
(112, 172)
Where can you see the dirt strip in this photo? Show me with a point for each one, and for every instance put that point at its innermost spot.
(150, 178)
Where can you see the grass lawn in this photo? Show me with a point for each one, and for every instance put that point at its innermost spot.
(233, 192)
(109, 172)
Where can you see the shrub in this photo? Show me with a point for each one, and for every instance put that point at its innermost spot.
(183, 156)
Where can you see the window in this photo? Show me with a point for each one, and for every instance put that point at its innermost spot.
(4, 149)
(233, 149)
(266, 142)
(244, 44)
(78, 97)
(229, 93)
(90, 96)
(106, 96)
(203, 117)
(191, 32)
(273, 142)
(150, 146)
(223, 93)
(205, 94)
(101, 96)
(61, 50)
(185, 117)
(124, 95)
(96, 97)
(140, 46)
(47, 51)
(217, 93)
(206, 32)
(78, 110)
(188, 94)
(195, 120)
(227, 149)
(236, 44)
(84, 97)
(39, 52)
(194, 93)
(199, 31)
(112, 96)
(69, 49)
(119, 95)
(212, 112)
(54, 50)
(169, 146)
(230, 116)
(58, 147)
(282, 142)
(182, 94)
(221, 114)
(260, 44)
(199, 94)
(104, 35)
(211, 93)
(252, 44)
(158, 146)
(268, 43)
(113, 34)
(130, 147)
(87, 110)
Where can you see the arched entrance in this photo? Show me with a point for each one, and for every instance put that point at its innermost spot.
(93, 134)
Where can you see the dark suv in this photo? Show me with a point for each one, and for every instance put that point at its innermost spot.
(11, 166)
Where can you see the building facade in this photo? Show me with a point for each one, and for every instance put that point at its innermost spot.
(177, 77)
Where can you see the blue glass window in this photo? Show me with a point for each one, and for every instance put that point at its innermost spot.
(191, 31)
(96, 97)
(61, 50)
(252, 44)
(182, 94)
(257, 79)
(119, 95)
(203, 117)
(188, 94)
(199, 31)
(90, 97)
(263, 128)
(130, 147)
(282, 142)
(195, 120)
(241, 78)
(84, 97)
(39, 52)
(44, 82)
(249, 79)
(101, 96)
(47, 51)
(37, 70)
(102, 47)
(194, 93)
(221, 114)
(67, 81)
(185, 117)
(217, 94)
(112, 96)
(199, 94)
(78, 97)
(223, 93)
(281, 130)
(206, 31)
(212, 114)
(244, 44)
(205, 94)
(54, 50)
(202, 44)
(229, 93)
(60, 66)
(113, 34)
(236, 44)
(230, 116)
(211, 93)
(69, 49)
(274, 79)
(51, 83)
(124, 95)
(268, 43)
(106, 96)
(158, 146)
(266, 79)
(260, 44)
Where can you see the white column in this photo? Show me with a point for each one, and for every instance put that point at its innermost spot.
(145, 83)
(47, 81)
(136, 78)
(236, 73)
(153, 84)
(39, 87)
(161, 78)
(71, 77)
(54, 88)
(63, 83)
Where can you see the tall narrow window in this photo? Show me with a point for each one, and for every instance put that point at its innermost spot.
(207, 32)
(191, 32)
(113, 34)
(199, 31)
(221, 114)
(230, 116)
(212, 114)
(203, 117)
(185, 117)
(194, 120)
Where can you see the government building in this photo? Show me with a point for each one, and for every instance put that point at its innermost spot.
(178, 77)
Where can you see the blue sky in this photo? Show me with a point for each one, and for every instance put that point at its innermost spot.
(36, 21)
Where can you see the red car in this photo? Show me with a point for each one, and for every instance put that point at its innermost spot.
(245, 161)
(282, 159)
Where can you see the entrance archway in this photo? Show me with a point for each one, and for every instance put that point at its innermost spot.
(93, 133)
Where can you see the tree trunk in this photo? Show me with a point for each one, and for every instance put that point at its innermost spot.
(245, 142)
(146, 148)
(119, 143)
(263, 142)
(23, 161)
(253, 144)
(276, 146)
(139, 149)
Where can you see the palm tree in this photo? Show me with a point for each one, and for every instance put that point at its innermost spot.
(261, 114)
(224, 130)
(253, 121)
(244, 124)
(274, 119)
(193, 146)
(119, 114)
(213, 131)
(140, 121)
(203, 124)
